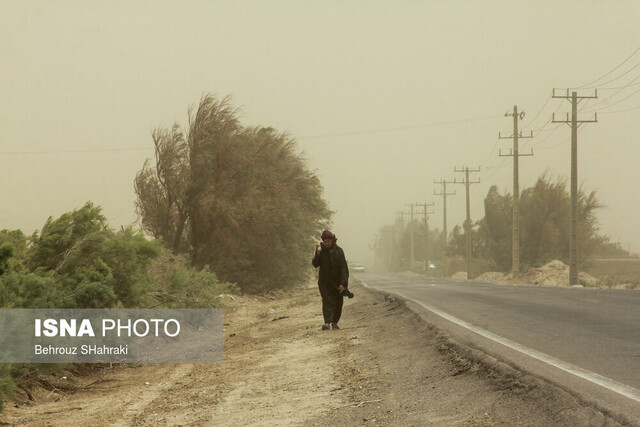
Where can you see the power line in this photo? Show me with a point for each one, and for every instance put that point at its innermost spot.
(620, 90)
(619, 87)
(552, 130)
(617, 102)
(497, 177)
(491, 153)
(614, 79)
(547, 130)
(90, 150)
(497, 163)
(614, 69)
(539, 112)
(621, 111)
(498, 170)
(563, 142)
(393, 129)
(542, 128)
(474, 119)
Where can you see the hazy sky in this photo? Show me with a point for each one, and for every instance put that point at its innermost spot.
(382, 96)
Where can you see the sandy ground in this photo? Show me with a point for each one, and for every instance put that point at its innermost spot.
(384, 367)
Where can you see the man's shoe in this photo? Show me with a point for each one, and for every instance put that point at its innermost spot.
(325, 327)
(334, 326)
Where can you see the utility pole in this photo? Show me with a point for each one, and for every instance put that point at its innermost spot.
(402, 214)
(444, 195)
(411, 257)
(467, 223)
(574, 123)
(424, 206)
(515, 231)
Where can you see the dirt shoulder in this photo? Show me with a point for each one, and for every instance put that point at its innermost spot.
(385, 366)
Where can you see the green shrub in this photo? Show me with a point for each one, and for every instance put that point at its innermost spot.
(177, 285)
(77, 261)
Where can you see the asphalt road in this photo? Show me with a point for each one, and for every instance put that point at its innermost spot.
(590, 334)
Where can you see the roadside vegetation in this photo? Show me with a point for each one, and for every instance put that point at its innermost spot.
(224, 208)
(544, 234)
(77, 261)
(238, 200)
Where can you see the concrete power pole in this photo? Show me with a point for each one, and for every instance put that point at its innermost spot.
(424, 206)
(402, 214)
(515, 232)
(444, 195)
(412, 231)
(467, 223)
(574, 123)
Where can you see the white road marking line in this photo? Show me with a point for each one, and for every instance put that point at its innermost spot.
(608, 383)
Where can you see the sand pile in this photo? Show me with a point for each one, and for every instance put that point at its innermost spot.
(460, 275)
(555, 273)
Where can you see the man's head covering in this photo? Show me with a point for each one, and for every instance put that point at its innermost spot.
(326, 234)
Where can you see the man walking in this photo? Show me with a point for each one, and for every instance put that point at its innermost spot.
(333, 278)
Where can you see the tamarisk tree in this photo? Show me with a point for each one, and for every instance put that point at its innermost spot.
(237, 199)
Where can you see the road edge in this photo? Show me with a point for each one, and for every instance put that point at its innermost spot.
(468, 353)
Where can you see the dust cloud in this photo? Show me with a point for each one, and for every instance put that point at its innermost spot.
(382, 97)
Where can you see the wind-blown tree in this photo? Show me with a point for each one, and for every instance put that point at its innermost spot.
(545, 211)
(162, 189)
(238, 199)
(457, 245)
(544, 224)
(495, 228)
